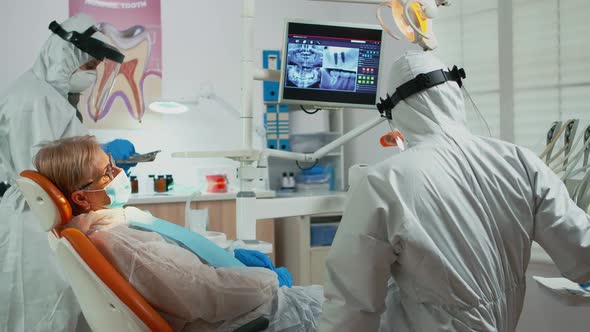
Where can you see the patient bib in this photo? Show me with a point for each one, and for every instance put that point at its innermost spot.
(194, 242)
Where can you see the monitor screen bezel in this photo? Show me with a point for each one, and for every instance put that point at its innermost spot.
(320, 103)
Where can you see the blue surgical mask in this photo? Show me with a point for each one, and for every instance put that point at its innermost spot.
(118, 190)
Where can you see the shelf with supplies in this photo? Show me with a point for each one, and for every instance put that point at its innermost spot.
(307, 134)
(290, 127)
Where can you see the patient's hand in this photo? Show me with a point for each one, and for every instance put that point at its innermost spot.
(97, 219)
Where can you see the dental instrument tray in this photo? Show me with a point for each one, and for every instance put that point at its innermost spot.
(564, 291)
(139, 158)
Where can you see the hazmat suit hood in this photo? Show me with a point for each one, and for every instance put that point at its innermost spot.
(436, 110)
(58, 59)
(35, 108)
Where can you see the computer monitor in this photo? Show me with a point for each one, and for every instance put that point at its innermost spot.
(330, 64)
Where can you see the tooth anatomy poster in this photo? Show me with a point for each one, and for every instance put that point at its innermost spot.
(134, 28)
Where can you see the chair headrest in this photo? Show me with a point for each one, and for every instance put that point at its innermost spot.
(45, 199)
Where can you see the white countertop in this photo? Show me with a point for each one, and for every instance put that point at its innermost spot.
(300, 205)
(269, 204)
(181, 197)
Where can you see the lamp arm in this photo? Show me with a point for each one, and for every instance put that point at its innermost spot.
(323, 151)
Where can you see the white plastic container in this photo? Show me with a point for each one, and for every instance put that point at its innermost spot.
(218, 238)
(303, 123)
(307, 143)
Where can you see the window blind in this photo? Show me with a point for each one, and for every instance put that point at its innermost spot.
(467, 33)
(551, 65)
(550, 61)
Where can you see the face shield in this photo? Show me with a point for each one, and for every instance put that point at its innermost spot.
(110, 57)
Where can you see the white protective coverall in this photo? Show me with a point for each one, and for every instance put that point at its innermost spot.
(191, 295)
(451, 220)
(35, 108)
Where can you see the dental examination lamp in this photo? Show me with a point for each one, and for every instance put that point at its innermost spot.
(413, 18)
(168, 107)
(253, 162)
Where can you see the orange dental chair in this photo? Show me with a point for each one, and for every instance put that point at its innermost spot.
(108, 301)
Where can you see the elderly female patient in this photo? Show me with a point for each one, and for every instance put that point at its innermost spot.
(190, 295)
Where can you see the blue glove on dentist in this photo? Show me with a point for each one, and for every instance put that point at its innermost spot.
(120, 149)
(254, 258)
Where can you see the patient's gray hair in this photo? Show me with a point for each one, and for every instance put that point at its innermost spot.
(67, 162)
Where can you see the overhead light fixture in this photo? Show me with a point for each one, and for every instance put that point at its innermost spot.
(181, 104)
(168, 107)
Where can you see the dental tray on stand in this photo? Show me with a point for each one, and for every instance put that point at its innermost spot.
(564, 291)
(139, 158)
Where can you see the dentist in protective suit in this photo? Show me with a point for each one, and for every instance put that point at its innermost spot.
(446, 226)
(35, 108)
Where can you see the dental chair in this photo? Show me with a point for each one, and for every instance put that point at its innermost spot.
(108, 301)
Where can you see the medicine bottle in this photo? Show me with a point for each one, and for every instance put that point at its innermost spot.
(153, 177)
(161, 184)
(134, 184)
(169, 182)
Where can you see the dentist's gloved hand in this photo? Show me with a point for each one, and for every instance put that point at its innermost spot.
(254, 258)
(285, 277)
(120, 149)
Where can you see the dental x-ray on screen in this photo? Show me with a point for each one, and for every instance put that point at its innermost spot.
(331, 64)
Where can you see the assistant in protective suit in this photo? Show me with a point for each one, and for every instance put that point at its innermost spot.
(446, 226)
(35, 108)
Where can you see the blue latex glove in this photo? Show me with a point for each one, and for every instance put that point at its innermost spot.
(120, 149)
(285, 278)
(254, 258)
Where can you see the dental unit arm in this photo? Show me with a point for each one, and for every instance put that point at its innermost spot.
(253, 161)
(253, 166)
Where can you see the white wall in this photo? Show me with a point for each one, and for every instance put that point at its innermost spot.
(201, 47)
(366, 148)
(23, 28)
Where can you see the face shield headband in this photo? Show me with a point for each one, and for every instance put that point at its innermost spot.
(419, 83)
(84, 41)
(111, 60)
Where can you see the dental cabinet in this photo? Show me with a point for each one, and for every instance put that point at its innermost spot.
(295, 250)
(221, 209)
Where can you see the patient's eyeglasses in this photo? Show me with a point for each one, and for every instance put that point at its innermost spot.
(108, 174)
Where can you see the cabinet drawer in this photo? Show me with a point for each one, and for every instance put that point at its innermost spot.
(317, 264)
